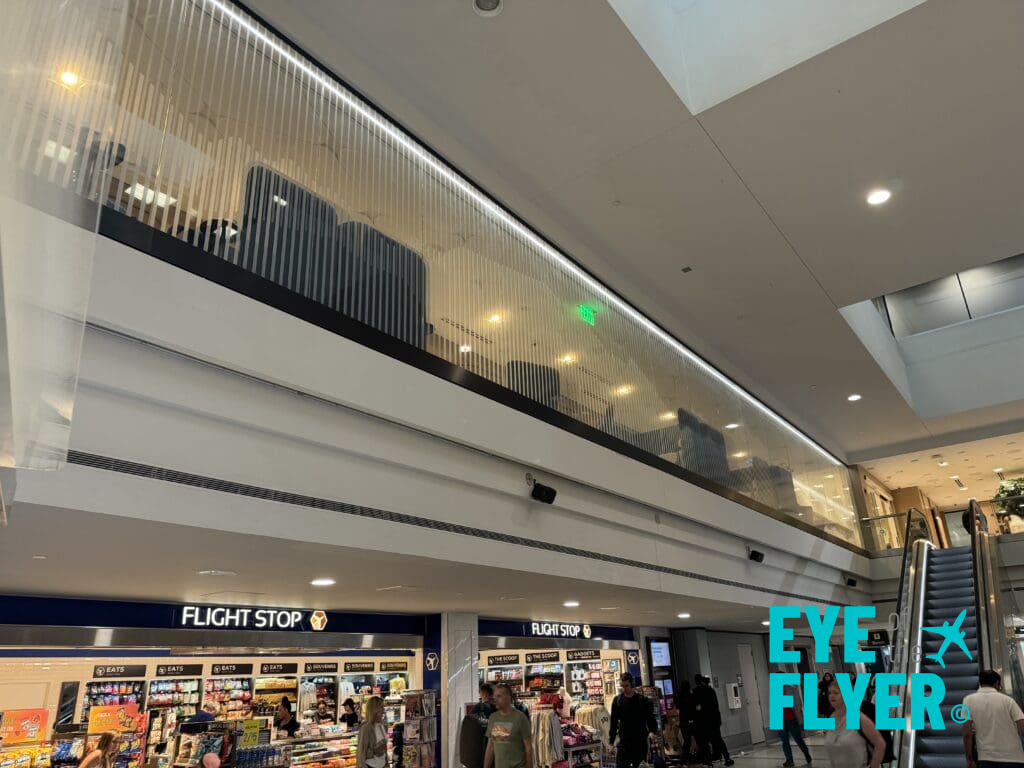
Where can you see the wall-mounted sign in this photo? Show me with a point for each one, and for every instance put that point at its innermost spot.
(276, 668)
(179, 670)
(233, 617)
(231, 669)
(878, 637)
(503, 659)
(582, 655)
(321, 667)
(119, 671)
(554, 629)
(432, 662)
(20, 726)
(394, 666)
(359, 666)
(633, 658)
(122, 718)
(545, 657)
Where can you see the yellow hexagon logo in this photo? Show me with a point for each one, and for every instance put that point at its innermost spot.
(318, 620)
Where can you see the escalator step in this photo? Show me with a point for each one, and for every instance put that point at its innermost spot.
(941, 761)
(931, 745)
(930, 617)
(947, 592)
(958, 669)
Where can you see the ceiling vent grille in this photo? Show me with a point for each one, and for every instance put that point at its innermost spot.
(466, 330)
(959, 482)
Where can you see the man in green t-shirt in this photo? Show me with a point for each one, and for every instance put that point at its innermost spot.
(509, 741)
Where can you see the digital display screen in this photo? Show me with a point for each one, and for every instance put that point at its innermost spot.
(661, 654)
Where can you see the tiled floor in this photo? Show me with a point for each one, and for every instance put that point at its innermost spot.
(771, 756)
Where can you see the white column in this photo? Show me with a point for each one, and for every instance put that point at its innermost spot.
(459, 677)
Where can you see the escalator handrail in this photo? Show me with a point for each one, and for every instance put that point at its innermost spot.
(908, 547)
(910, 622)
(979, 526)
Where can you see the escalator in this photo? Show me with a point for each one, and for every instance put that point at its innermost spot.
(949, 589)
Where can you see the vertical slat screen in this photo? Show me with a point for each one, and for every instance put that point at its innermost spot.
(238, 145)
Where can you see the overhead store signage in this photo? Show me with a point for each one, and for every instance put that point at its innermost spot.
(878, 637)
(582, 655)
(359, 666)
(179, 670)
(234, 617)
(276, 668)
(394, 666)
(231, 669)
(554, 629)
(542, 658)
(321, 667)
(121, 671)
(503, 659)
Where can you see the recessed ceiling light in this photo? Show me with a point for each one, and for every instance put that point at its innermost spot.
(609, 608)
(571, 604)
(495, 318)
(465, 349)
(149, 196)
(829, 477)
(683, 615)
(964, 488)
(324, 581)
(953, 477)
(766, 623)
(879, 196)
(57, 152)
(819, 485)
(38, 557)
(998, 469)
(216, 572)
(567, 359)
(625, 389)
(70, 79)
(853, 398)
(668, 416)
(487, 8)
(740, 455)
(943, 463)
(732, 425)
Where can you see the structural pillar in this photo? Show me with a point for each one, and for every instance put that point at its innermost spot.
(460, 681)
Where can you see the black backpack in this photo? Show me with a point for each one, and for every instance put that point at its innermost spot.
(868, 709)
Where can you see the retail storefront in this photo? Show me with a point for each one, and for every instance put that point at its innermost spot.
(75, 668)
(536, 657)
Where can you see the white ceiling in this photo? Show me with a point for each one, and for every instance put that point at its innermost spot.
(131, 559)
(557, 110)
(974, 463)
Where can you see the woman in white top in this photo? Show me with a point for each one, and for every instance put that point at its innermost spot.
(372, 747)
(847, 748)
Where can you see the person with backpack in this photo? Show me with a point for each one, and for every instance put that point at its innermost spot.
(634, 723)
(846, 748)
(708, 723)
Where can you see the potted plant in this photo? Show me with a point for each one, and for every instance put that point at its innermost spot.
(1008, 490)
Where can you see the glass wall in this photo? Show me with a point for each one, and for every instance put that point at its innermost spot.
(227, 138)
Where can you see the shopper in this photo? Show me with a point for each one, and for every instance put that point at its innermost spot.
(285, 720)
(207, 714)
(323, 716)
(994, 726)
(349, 716)
(792, 728)
(105, 753)
(846, 747)
(634, 723)
(509, 736)
(708, 722)
(684, 705)
(372, 746)
(486, 706)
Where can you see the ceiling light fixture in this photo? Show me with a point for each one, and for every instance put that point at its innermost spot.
(57, 152)
(280, 201)
(149, 196)
(740, 455)
(879, 196)
(733, 425)
(766, 623)
(609, 608)
(625, 389)
(495, 318)
(69, 78)
(668, 416)
(943, 463)
(216, 572)
(38, 557)
(567, 359)
(683, 615)
(465, 349)
(571, 604)
(853, 398)
(998, 469)
(488, 9)
(324, 581)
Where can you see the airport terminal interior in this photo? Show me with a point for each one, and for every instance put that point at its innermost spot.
(511, 383)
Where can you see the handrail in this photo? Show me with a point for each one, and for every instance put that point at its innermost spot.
(906, 661)
(985, 588)
(907, 547)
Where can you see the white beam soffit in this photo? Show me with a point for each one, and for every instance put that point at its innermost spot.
(494, 209)
(712, 50)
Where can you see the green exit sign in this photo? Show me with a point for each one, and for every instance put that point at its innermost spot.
(587, 313)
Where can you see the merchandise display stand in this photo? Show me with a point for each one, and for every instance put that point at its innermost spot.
(419, 729)
(233, 695)
(24, 744)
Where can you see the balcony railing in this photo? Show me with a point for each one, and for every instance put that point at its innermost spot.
(199, 123)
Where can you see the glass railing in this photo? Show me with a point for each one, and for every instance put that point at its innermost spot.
(220, 135)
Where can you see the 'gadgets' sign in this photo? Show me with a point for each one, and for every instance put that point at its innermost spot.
(554, 629)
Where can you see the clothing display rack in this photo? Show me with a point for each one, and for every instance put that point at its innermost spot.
(547, 736)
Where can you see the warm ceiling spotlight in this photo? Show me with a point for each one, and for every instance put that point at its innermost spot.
(625, 389)
(487, 8)
(943, 463)
(879, 196)
(740, 455)
(669, 416)
(853, 398)
(571, 603)
(494, 319)
(683, 615)
(326, 581)
(69, 79)
(733, 425)
(465, 349)
(567, 359)
(766, 623)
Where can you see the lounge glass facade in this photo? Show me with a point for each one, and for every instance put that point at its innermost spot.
(206, 126)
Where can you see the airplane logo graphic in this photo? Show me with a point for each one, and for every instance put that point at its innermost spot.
(949, 635)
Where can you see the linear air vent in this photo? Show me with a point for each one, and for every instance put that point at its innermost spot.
(959, 482)
(593, 374)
